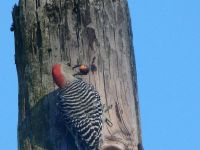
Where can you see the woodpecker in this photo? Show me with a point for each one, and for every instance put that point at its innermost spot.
(80, 106)
(84, 69)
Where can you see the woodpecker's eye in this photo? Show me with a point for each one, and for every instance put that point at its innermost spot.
(68, 64)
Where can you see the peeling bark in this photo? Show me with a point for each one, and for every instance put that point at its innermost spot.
(51, 31)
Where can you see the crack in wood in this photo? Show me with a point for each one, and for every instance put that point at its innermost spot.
(76, 10)
(105, 92)
(37, 4)
(119, 110)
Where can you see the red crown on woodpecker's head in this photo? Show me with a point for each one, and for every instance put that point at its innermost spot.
(58, 76)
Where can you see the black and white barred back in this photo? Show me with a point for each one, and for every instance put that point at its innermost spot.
(82, 110)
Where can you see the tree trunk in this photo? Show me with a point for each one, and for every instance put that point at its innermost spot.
(75, 31)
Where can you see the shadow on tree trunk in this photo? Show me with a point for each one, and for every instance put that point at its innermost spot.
(46, 128)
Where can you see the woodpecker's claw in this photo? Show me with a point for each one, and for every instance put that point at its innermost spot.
(108, 122)
(106, 108)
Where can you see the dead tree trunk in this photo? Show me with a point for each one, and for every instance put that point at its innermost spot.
(49, 31)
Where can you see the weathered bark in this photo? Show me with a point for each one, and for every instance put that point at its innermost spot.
(51, 31)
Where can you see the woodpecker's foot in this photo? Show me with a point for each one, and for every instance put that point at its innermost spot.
(108, 122)
(106, 108)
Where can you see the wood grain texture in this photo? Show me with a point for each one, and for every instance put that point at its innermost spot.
(75, 31)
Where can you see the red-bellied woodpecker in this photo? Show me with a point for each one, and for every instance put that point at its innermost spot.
(80, 106)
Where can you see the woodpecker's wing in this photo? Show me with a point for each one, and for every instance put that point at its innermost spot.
(81, 107)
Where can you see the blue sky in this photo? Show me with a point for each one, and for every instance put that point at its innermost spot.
(8, 81)
(167, 49)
